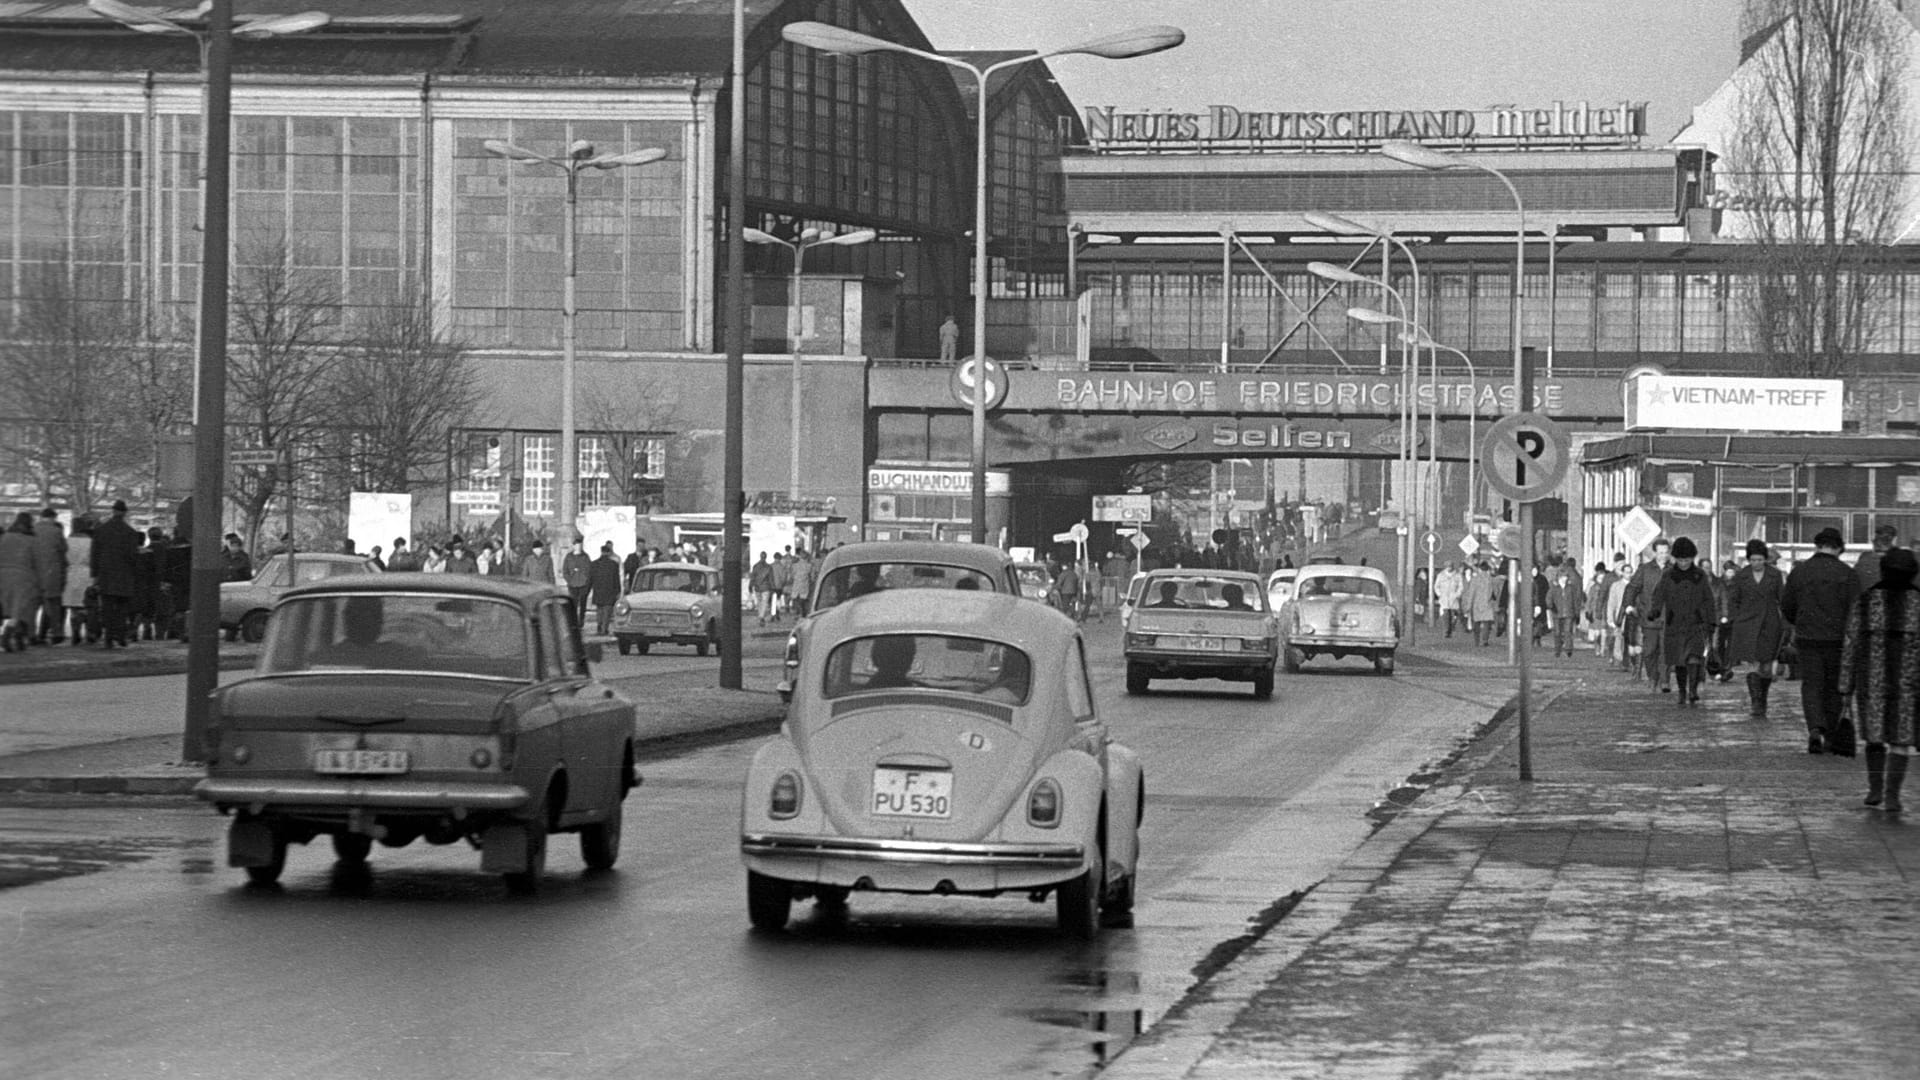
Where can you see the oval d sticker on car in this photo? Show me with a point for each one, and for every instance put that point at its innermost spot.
(973, 740)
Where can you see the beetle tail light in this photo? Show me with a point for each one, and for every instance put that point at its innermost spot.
(784, 802)
(1043, 804)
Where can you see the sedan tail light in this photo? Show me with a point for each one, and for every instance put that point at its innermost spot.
(785, 800)
(1043, 804)
(1140, 641)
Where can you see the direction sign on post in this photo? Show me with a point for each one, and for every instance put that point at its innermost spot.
(269, 456)
(963, 380)
(1139, 541)
(1431, 541)
(1636, 530)
(1524, 456)
(1469, 546)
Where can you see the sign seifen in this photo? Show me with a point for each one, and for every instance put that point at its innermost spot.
(1734, 403)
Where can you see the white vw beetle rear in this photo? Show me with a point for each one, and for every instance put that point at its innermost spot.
(944, 743)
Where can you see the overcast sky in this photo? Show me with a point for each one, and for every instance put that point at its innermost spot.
(1317, 55)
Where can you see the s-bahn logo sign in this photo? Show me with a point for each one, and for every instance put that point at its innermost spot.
(1581, 123)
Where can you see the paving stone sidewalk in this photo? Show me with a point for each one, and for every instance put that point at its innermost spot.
(1679, 893)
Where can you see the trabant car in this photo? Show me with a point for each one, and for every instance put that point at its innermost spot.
(669, 603)
(413, 706)
(1340, 611)
(855, 570)
(1280, 586)
(244, 604)
(1036, 581)
(944, 743)
(1201, 624)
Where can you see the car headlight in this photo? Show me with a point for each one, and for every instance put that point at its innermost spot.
(620, 608)
(1043, 804)
(784, 802)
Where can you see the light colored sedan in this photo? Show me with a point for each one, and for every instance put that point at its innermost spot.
(244, 604)
(1340, 611)
(1201, 624)
(944, 743)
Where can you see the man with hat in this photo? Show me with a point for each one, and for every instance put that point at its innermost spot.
(1815, 602)
(603, 583)
(115, 572)
(1637, 604)
(1754, 627)
(1684, 599)
(1867, 567)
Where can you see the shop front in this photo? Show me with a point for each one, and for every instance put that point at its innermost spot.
(932, 501)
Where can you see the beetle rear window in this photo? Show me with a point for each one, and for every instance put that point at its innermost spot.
(456, 635)
(858, 579)
(988, 669)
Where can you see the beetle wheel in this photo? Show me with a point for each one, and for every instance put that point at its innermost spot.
(1117, 911)
(769, 901)
(253, 628)
(352, 848)
(1077, 902)
(600, 842)
(1383, 663)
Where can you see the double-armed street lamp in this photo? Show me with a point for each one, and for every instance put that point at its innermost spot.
(1142, 41)
(580, 155)
(214, 36)
(810, 237)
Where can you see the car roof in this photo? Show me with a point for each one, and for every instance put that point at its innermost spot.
(322, 556)
(1342, 570)
(1201, 571)
(982, 557)
(1283, 574)
(517, 590)
(676, 566)
(967, 613)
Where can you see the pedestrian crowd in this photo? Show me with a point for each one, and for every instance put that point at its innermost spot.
(1850, 635)
(107, 584)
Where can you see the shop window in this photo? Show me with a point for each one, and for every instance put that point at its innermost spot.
(1839, 485)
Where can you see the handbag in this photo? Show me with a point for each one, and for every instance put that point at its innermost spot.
(1840, 738)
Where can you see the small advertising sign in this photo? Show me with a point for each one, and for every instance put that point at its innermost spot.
(1134, 508)
(375, 518)
(1685, 505)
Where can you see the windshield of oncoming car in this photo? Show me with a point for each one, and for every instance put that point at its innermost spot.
(646, 579)
(1332, 585)
(459, 635)
(1034, 574)
(1200, 592)
(929, 662)
(858, 579)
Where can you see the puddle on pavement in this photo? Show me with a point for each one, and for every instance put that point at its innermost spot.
(30, 862)
(1102, 1011)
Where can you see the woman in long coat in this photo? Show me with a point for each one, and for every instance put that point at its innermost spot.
(1880, 672)
(1754, 624)
(1480, 604)
(19, 583)
(1684, 599)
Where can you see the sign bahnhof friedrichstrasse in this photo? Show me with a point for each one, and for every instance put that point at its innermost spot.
(1735, 403)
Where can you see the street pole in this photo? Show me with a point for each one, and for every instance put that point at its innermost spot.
(207, 565)
(569, 437)
(982, 281)
(793, 328)
(732, 482)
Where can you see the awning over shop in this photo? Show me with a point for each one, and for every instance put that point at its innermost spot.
(1753, 450)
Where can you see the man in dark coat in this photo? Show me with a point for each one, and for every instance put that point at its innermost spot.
(1688, 616)
(1754, 626)
(1815, 603)
(1637, 604)
(115, 572)
(603, 586)
(51, 540)
(1867, 566)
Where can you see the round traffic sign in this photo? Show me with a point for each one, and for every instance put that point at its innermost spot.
(1524, 456)
(1078, 532)
(1431, 541)
(963, 380)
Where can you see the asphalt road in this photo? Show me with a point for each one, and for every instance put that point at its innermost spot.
(137, 953)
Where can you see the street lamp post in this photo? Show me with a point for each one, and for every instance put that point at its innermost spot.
(1425, 157)
(1141, 41)
(809, 238)
(207, 567)
(1409, 423)
(579, 156)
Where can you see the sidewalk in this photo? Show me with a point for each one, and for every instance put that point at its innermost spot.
(1678, 893)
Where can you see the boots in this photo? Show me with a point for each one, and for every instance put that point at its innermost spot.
(1876, 773)
(1756, 696)
(1680, 684)
(1896, 776)
(1766, 684)
(1696, 674)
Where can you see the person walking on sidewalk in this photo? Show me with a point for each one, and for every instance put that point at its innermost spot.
(116, 572)
(1684, 600)
(1880, 672)
(19, 583)
(1637, 604)
(51, 539)
(1480, 605)
(1449, 585)
(760, 583)
(573, 571)
(1815, 602)
(1599, 629)
(1754, 626)
(1565, 600)
(603, 585)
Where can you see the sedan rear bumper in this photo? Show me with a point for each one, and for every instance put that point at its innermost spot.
(1347, 642)
(378, 794)
(917, 852)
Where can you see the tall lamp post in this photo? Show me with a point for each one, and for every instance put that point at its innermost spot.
(809, 238)
(1142, 41)
(1425, 157)
(579, 156)
(207, 567)
(1409, 412)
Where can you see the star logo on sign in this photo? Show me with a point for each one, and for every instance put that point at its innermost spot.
(1658, 395)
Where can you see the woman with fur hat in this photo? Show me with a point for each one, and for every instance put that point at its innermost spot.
(1684, 599)
(1880, 672)
(1755, 626)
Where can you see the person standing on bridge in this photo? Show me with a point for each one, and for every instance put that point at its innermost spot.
(949, 340)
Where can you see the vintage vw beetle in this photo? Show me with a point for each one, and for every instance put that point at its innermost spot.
(1340, 611)
(944, 743)
(1201, 624)
(669, 603)
(412, 706)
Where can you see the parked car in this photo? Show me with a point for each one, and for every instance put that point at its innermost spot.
(1201, 624)
(1340, 611)
(947, 744)
(244, 604)
(669, 603)
(855, 570)
(1036, 581)
(411, 706)
(1280, 586)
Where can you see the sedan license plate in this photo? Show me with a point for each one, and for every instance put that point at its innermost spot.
(360, 762)
(1188, 641)
(923, 793)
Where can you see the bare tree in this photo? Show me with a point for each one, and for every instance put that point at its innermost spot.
(630, 416)
(75, 432)
(1820, 145)
(279, 355)
(394, 396)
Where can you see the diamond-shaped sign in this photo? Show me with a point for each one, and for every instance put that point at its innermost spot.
(1636, 531)
(1469, 546)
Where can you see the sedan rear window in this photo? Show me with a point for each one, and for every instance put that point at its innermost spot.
(1203, 593)
(858, 579)
(966, 665)
(442, 635)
